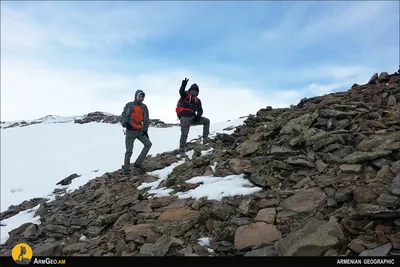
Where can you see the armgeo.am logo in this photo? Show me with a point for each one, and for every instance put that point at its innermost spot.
(22, 253)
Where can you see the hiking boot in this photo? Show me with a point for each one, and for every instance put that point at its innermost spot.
(126, 172)
(139, 166)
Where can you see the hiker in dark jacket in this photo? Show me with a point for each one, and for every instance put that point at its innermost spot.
(135, 118)
(190, 111)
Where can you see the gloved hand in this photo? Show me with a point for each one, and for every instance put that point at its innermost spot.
(146, 134)
(128, 126)
(184, 82)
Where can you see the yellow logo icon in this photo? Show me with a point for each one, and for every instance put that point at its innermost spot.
(22, 253)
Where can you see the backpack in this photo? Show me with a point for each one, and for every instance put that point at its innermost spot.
(137, 117)
(187, 99)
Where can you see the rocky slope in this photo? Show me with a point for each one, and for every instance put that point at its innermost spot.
(328, 169)
(97, 116)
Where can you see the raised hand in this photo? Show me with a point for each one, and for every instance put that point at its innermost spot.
(185, 81)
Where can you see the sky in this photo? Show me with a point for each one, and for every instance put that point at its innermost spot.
(36, 150)
(70, 58)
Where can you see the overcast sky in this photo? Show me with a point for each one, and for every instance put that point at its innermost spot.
(70, 58)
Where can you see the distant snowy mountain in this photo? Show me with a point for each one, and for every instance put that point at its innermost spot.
(97, 116)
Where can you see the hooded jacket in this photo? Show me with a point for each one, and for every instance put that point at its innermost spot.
(193, 104)
(126, 113)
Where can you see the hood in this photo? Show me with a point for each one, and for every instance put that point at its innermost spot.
(194, 87)
(137, 93)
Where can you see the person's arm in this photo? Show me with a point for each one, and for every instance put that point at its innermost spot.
(124, 115)
(146, 118)
(183, 87)
(199, 110)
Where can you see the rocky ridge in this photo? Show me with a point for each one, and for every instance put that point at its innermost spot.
(329, 176)
(96, 116)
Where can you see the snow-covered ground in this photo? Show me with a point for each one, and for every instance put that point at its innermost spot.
(35, 158)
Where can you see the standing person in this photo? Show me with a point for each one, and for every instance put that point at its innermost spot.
(135, 118)
(190, 111)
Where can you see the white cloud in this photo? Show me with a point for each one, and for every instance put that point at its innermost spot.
(83, 27)
(32, 89)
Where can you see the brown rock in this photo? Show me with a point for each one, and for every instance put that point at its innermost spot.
(255, 234)
(266, 215)
(351, 168)
(356, 245)
(304, 201)
(364, 195)
(384, 173)
(176, 214)
(132, 232)
(266, 203)
(239, 166)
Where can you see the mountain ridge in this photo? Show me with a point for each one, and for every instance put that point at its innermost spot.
(96, 116)
(328, 170)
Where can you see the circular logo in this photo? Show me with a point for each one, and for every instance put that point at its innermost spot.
(22, 253)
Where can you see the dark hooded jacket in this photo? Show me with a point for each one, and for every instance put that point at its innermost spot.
(125, 116)
(192, 105)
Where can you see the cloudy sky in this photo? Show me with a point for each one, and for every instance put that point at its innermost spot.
(71, 58)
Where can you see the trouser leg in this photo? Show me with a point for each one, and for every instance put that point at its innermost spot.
(185, 127)
(147, 145)
(129, 140)
(206, 125)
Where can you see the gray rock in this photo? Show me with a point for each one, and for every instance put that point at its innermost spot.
(395, 186)
(45, 249)
(30, 231)
(321, 166)
(248, 147)
(246, 206)
(159, 248)
(268, 251)
(360, 156)
(380, 251)
(373, 79)
(312, 240)
(75, 247)
(392, 100)
(298, 125)
(388, 200)
(343, 194)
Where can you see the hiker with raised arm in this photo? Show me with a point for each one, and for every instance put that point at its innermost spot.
(189, 111)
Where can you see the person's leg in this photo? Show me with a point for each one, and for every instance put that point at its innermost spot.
(147, 145)
(185, 127)
(206, 127)
(129, 139)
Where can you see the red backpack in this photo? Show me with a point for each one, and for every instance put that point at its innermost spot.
(187, 99)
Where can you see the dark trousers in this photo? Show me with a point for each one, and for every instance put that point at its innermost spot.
(130, 138)
(186, 122)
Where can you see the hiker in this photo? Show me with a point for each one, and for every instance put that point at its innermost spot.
(189, 111)
(135, 118)
(21, 253)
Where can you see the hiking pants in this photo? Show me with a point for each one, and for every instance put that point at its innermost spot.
(186, 122)
(130, 137)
